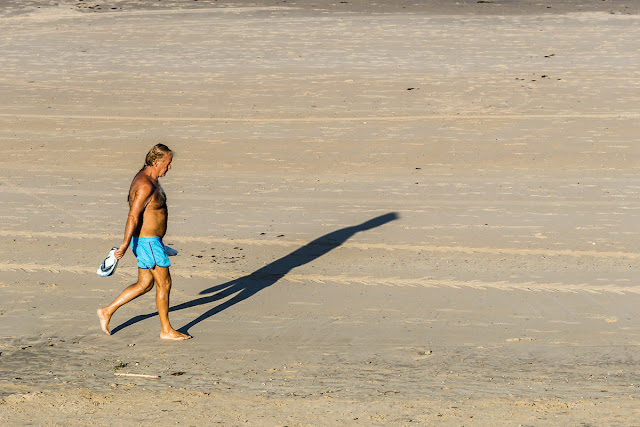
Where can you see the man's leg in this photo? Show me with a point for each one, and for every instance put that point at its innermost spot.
(142, 286)
(162, 277)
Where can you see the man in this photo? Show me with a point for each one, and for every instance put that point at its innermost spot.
(145, 227)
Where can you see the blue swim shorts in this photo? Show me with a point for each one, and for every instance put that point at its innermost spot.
(150, 252)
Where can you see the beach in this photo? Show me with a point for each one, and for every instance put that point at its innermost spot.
(408, 213)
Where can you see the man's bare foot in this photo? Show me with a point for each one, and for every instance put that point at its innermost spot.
(174, 335)
(104, 320)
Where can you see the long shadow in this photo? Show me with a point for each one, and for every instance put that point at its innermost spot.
(247, 286)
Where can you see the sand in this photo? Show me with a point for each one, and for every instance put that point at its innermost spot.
(415, 213)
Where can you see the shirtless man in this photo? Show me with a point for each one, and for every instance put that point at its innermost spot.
(146, 225)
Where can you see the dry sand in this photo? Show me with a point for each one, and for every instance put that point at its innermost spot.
(387, 214)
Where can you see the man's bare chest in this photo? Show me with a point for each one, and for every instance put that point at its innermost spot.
(158, 199)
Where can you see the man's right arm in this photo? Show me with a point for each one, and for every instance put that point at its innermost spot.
(141, 197)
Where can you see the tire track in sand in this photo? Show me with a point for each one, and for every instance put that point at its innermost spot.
(355, 245)
(344, 279)
(450, 116)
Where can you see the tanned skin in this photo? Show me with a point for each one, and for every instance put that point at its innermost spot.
(147, 218)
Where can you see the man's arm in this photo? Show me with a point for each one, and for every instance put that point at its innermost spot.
(141, 198)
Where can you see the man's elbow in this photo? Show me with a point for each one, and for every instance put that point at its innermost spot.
(133, 219)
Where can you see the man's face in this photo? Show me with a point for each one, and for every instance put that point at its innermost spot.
(164, 165)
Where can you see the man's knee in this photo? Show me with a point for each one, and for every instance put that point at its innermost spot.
(147, 286)
(164, 285)
(145, 280)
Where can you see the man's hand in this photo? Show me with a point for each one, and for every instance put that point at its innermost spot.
(120, 252)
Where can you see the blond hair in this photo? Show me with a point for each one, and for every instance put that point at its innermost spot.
(157, 152)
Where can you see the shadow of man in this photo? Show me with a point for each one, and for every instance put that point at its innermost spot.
(247, 286)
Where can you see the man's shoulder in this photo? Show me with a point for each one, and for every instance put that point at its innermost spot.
(142, 184)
